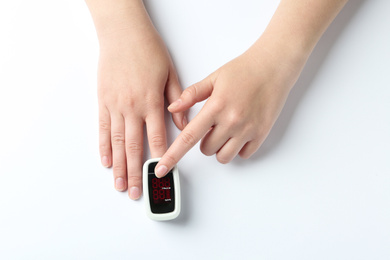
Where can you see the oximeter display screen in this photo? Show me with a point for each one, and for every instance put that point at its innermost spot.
(161, 191)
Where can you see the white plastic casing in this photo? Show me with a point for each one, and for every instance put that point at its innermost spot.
(177, 200)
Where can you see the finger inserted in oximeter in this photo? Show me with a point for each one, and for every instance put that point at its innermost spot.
(162, 195)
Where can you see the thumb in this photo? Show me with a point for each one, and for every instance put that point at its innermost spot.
(193, 94)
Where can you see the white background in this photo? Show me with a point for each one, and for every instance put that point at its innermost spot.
(319, 188)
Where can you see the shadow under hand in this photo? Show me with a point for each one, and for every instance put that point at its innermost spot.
(307, 76)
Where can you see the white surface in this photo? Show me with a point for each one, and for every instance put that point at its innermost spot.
(319, 188)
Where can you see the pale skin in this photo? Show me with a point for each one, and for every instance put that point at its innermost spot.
(135, 72)
(244, 96)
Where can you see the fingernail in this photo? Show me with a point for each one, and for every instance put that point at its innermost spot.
(185, 121)
(134, 193)
(119, 184)
(175, 104)
(161, 170)
(105, 161)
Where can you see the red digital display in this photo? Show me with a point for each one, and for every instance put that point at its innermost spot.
(161, 190)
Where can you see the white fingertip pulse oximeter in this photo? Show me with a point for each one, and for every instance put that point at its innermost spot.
(162, 195)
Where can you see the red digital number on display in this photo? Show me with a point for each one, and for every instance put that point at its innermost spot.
(161, 189)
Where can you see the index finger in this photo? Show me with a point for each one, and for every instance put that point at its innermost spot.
(190, 135)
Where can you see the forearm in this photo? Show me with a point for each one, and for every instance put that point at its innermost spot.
(118, 20)
(297, 25)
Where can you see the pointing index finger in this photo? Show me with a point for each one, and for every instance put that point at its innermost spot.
(190, 135)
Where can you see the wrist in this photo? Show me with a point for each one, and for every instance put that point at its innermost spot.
(120, 21)
(297, 26)
(283, 52)
(284, 56)
(273, 58)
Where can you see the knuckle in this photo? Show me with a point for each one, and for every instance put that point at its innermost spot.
(170, 158)
(133, 147)
(262, 133)
(224, 159)
(191, 91)
(118, 169)
(258, 135)
(154, 100)
(104, 125)
(250, 148)
(127, 100)
(216, 106)
(134, 180)
(118, 139)
(104, 147)
(266, 124)
(251, 131)
(234, 118)
(157, 141)
(205, 150)
(154, 106)
(245, 156)
(127, 108)
(188, 138)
